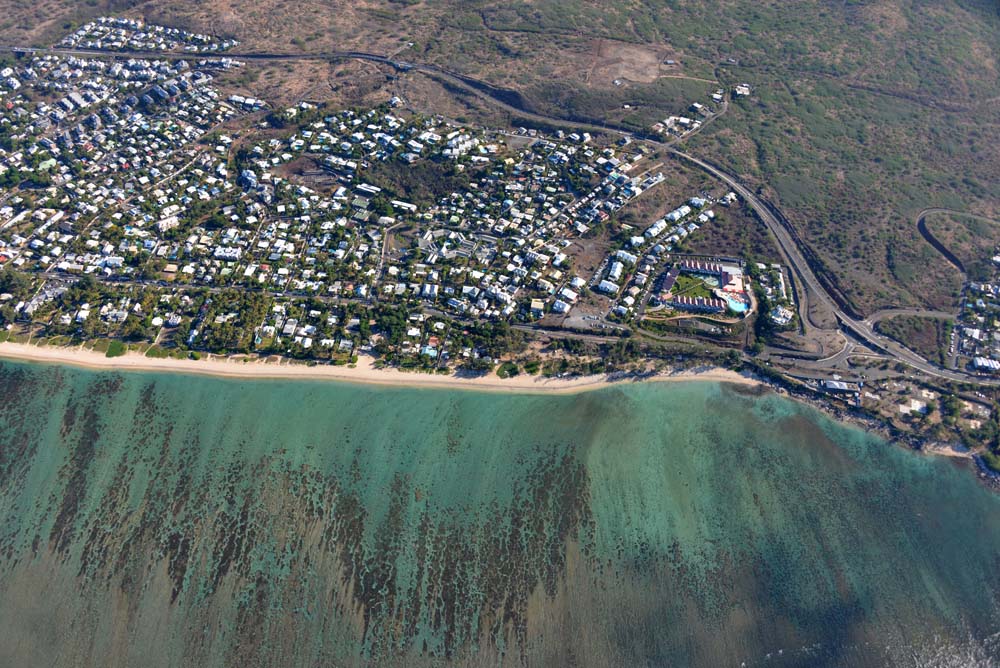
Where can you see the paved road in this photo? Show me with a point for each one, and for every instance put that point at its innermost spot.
(814, 291)
(933, 241)
(813, 295)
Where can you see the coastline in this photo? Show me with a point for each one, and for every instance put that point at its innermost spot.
(364, 372)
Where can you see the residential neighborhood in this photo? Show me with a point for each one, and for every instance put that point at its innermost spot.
(122, 34)
(974, 341)
(142, 202)
(150, 200)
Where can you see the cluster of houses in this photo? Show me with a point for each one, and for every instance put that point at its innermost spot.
(84, 112)
(627, 277)
(976, 336)
(523, 217)
(127, 170)
(494, 249)
(103, 140)
(778, 296)
(112, 33)
(699, 112)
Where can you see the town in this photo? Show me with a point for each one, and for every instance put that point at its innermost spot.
(142, 204)
(515, 333)
(148, 206)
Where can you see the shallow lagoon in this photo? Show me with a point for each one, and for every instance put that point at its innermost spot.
(173, 520)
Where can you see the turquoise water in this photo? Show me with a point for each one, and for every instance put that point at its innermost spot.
(735, 305)
(172, 520)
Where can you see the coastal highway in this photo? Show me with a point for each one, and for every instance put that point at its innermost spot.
(814, 291)
(816, 303)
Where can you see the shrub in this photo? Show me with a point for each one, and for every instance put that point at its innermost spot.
(508, 370)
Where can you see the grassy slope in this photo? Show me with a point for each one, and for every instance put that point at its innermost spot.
(927, 336)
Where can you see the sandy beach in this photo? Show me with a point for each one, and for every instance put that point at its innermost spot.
(956, 451)
(364, 371)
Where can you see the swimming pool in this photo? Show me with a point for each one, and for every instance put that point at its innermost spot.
(735, 305)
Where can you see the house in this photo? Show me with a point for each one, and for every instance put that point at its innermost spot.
(608, 287)
(839, 387)
(986, 364)
(615, 273)
(698, 304)
(781, 316)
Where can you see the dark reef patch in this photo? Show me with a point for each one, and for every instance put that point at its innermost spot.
(211, 523)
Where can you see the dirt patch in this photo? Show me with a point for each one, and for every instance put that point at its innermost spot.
(423, 94)
(287, 26)
(886, 18)
(984, 56)
(286, 83)
(588, 253)
(620, 61)
(734, 232)
(680, 184)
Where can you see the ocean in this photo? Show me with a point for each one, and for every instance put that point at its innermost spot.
(170, 520)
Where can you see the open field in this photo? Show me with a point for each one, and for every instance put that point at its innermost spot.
(680, 183)
(735, 232)
(926, 336)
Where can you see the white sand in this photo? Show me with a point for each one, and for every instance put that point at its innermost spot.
(364, 372)
(948, 450)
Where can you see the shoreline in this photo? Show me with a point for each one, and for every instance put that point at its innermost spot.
(364, 372)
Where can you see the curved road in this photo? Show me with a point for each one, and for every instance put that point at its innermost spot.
(945, 252)
(933, 241)
(813, 293)
(936, 243)
(861, 329)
